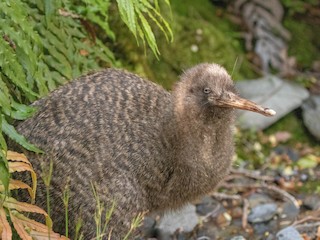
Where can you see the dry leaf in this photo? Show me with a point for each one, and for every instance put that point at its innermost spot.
(12, 203)
(282, 136)
(44, 236)
(23, 166)
(19, 167)
(20, 228)
(17, 184)
(5, 229)
(84, 52)
(17, 157)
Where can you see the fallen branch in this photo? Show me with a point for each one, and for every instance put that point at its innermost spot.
(283, 193)
(306, 219)
(245, 214)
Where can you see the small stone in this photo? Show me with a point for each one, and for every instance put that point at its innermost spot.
(262, 213)
(290, 211)
(311, 115)
(256, 199)
(236, 212)
(291, 153)
(304, 177)
(207, 205)
(224, 219)
(289, 233)
(238, 238)
(185, 219)
(312, 202)
(148, 227)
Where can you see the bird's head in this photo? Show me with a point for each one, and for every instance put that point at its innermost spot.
(208, 89)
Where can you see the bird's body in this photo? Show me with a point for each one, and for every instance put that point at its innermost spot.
(143, 147)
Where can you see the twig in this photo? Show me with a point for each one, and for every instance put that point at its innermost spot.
(302, 227)
(245, 214)
(306, 219)
(239, 186)
(282, 193)
(273, 188)
(226, 196)
(251, 174)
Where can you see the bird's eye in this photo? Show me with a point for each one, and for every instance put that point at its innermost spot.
(207, 90)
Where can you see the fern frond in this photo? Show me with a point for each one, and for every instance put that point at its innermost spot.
(134, 13)
(10, 67)
(10, 131)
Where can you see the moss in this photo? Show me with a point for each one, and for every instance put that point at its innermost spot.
(304, 41)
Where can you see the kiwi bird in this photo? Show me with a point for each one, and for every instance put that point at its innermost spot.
(146, 149)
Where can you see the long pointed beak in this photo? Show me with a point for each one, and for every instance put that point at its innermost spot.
(235, 101)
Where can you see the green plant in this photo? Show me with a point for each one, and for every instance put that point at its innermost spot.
(101, 221)
(134, 13)
(298, 6)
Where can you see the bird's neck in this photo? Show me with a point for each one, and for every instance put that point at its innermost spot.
(201, 154)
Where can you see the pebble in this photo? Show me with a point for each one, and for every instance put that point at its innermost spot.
(291, 153)
(256, 199)
(289, 233)
(262, 213)
(185, 219)
(207, 205)
(290, 211)
(238, 238)
(312, 202)
(311, 115)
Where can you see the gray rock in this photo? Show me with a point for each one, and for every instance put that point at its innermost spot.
(256, 199)
(148, 227)
(289, 233)
(290, 211)
(262, 213)
(185, 219)
(273, 92)
(207, 205)
(312, 202)
(238, 238)
(311, 115)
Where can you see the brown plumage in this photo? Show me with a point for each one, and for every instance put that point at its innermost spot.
(145, 148)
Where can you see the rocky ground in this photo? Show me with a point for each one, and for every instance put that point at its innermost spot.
(266, 204)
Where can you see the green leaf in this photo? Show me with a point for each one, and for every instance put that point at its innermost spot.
(4, 167)
(4, 173)
(3, 146)
(5, 98)
(49, 9)
(127, 13)
(12, 69)
(309, 161)
(22, 111)
(151, 40)
(11, 132)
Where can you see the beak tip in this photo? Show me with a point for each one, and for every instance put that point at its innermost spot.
(270, 112)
